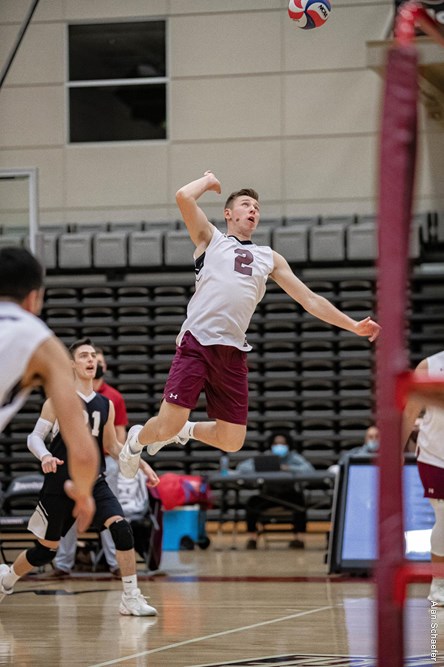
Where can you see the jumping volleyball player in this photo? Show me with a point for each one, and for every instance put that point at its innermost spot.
(231, 275)
(31, 356)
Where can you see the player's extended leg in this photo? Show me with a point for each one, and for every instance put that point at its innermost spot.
(219, 433)
(37, 556)
(169, 426)
(172, 426)
(133, 603)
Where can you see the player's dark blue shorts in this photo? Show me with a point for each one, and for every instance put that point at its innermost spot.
(53, 517)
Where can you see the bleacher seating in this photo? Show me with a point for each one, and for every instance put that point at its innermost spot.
(155, 244)
(305, 375)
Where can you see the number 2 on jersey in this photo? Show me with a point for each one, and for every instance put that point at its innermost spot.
(243, 260)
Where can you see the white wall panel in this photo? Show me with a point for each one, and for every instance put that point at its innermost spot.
(51, 172)
(115, 176)
(293, 113)
(85, 9)
(225, 44)
(16, 10)
(331, 102)
(41, 57)
(430, 164)
(330, 168)
(32, 116)
(237, 164)
(340, 43)
(127, 214)
(206, 6)
(225, 107)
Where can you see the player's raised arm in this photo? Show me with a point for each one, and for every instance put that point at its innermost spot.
(51, 364)
(198, 225)
(317, 305)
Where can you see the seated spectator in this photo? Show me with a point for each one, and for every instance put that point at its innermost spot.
(369, 446)
(280, 445)
(371, 442)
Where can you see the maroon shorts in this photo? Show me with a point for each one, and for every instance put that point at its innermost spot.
(432, 479)
(220, 370)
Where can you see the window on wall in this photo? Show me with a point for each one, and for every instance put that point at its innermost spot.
(117, 81)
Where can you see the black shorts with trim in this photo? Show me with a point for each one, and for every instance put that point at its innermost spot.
(53, 517)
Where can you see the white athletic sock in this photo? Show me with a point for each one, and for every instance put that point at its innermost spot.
(135, 446)
(129, 584)
(191, 428)
(11, 578)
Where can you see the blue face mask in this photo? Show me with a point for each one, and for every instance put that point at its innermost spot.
(372, 445)
(280, 449)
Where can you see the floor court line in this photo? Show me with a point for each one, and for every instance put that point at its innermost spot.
(213, 635)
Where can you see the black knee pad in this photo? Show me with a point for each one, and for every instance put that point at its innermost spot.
(40, 555)
(122, 535)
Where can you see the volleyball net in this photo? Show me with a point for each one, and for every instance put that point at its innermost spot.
(394, 382)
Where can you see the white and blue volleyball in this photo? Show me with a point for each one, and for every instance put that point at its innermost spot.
(309, 14)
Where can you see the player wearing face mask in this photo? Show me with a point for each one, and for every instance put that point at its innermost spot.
(280, 445)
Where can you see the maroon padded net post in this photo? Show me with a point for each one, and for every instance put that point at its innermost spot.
(396, 184)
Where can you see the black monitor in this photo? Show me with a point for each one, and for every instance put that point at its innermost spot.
(353, 538)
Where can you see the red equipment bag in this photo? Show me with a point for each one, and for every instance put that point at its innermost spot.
(175, 490)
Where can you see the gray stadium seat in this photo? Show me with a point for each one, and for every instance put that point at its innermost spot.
(15, 230)
(327, 242)
(125, 226)
(262, 235)
(179, 248)
(338, 219)
(271, 223)
(145, 249)
(49, 249)
(361, 241)
(109, 249)
(54, 229)
(292, 242)
(89, 227)
(161, 225)
(306, 220)
(366, 217)
(437, 231)
(75, 251)
(10, 240)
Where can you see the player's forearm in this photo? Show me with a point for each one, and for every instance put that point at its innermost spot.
(321, 308)
(195, 189)
(113, 449)
(36, 439)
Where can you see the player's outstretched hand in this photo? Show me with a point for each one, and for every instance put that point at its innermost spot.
(84, 508)
(151, 475)
(367, 327)
(50, 463)
(214, 183)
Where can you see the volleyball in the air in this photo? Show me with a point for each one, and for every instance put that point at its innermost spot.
(309, 14)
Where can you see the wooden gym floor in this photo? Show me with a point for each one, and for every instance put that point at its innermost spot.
(272, 607)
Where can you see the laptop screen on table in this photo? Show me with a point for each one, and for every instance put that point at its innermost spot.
(267, 463)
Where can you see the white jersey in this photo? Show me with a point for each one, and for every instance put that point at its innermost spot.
(20, 335)
(431, 433)
(231, 277)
